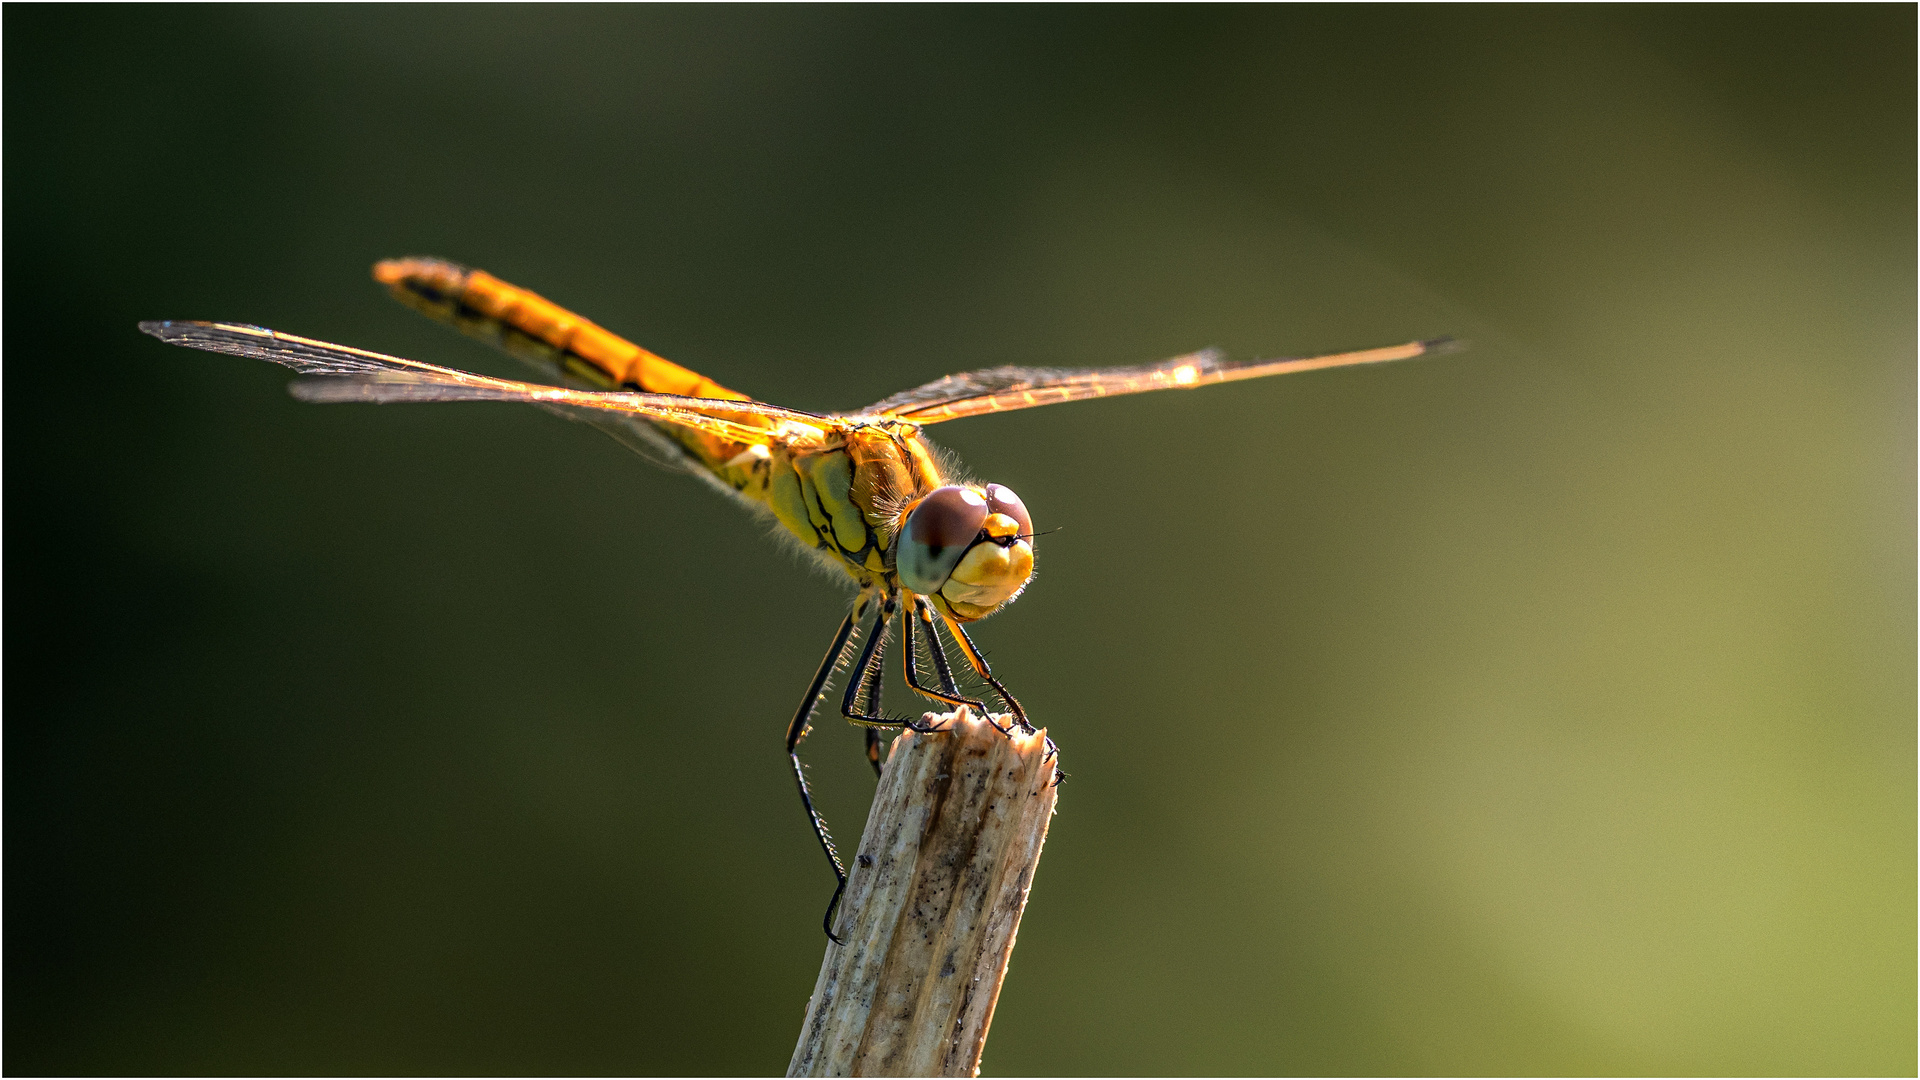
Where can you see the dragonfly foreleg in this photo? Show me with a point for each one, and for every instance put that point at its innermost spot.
(925, 611)
(951, 694)
(979, 662)
(796, 731)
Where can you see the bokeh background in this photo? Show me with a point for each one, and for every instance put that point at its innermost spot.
(1548, 708)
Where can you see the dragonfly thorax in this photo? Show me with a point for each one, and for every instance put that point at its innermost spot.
(840, 494)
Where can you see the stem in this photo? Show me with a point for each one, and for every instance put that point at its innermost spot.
(932, 904)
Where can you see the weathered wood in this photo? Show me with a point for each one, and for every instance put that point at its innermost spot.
(933, 900)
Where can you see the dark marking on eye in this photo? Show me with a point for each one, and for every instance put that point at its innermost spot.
(948, 518)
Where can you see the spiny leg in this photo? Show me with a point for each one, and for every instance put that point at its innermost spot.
(864, 677)
(952, 695)
(925, 611)
(866, 680)
(911, 655)
(875, 673)
(797, 730)
(939, 654)
(979, 662)
(875, 684)
(867, 676)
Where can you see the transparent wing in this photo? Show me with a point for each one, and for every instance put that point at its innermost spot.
(341, 373)
(1003, 389)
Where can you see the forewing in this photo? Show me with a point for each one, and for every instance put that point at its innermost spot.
(342, 373)
(1003, 389)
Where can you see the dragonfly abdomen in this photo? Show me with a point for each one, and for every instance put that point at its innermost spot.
(527, 324)
(558, 342)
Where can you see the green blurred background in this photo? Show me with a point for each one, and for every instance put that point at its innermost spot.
(1547, 708)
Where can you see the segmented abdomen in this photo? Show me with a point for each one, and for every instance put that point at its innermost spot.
(553, 339)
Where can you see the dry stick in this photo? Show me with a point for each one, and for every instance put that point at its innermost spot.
(934, 898)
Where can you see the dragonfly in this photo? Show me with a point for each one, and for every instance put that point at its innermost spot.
(862, 492)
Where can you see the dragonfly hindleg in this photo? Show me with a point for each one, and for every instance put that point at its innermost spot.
(863, 682)
(796, 731)
(863, 687)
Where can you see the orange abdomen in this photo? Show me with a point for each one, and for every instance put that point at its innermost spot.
(493, 310)
(554, 339)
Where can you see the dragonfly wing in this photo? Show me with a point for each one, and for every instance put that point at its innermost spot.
(1003, 389)
(637, 432)
(341, 373)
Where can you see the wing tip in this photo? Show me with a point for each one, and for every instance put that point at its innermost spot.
(182, 331)
(192, 332)
(164, 329)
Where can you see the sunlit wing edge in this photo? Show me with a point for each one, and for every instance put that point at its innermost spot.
(340, 373)
(1004, 389)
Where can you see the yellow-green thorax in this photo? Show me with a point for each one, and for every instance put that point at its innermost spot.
(847, 488)
(839, 489)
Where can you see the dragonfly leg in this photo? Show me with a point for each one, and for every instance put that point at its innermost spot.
(797, 730)
(872, 672)
(950, 694)
(875, 683)
(979, 663)
(864, 683)
(868, 672)
(925, 610)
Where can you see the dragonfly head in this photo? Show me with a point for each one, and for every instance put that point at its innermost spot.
(968, 549)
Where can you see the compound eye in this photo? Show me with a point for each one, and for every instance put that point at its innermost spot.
(939, 530)
(1002, 500)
